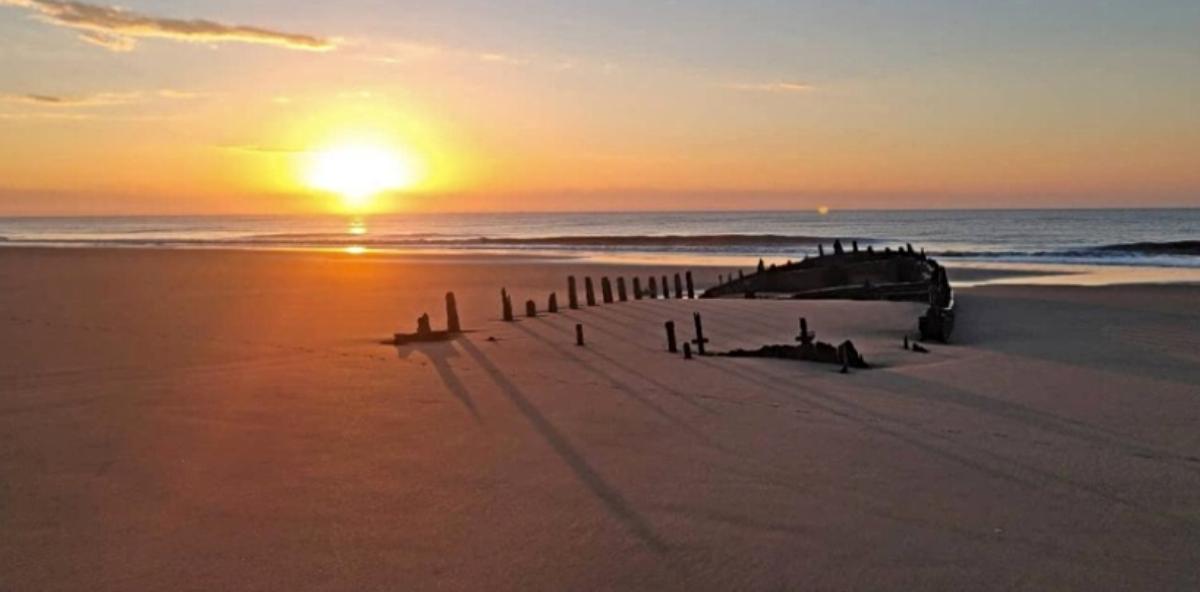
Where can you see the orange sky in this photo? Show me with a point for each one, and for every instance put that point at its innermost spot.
(753, 110)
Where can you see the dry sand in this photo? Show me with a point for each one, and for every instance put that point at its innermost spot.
(228, 421)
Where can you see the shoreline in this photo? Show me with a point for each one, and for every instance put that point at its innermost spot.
(963, 273)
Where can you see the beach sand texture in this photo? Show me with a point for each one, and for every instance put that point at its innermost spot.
(211, 420)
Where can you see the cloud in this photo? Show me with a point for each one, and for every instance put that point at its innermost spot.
(117, 29)
(502, 58)
(95, 100)
(772, 87)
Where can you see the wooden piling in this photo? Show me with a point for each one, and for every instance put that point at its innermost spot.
(423, 328)
(452, 325)
(805, 338)
(506, 305)
(530, 309)
(622, 295)
(691, 287)
(653, 288)
(687, 351)
(699, 340)
(666, 288)
(606, 290)
(578, 334)
(678, 286)
(552, 303)
(670, 326)
(589, 291)
(572, 297)
(637, 288)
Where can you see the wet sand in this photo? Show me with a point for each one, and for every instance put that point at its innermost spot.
(199, 420)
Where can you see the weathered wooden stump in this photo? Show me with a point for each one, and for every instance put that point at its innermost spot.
(670, 326)
(606, 290)
(741, 276)
(761, 266)
(452, 324)
(589, 291)
(678, 286)
(578, 334)
(530, 309)
(423, 328)
(690, 286)
(837, 247)
(666, 288)
(854, 246)
(699, 340)
(820, 250)
(844, 358)
(572, 297)
(653, 288)
(622, 295)
(552, 303)
(687, 351)
(906, 342)
(637, 288)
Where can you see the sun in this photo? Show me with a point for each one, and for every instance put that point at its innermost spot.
(359, 171)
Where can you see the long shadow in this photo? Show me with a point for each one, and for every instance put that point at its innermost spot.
(439, 355)
(682, 396)
(830, 403)
(612, 499)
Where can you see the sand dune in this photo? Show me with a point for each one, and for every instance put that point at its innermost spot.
(222, 420)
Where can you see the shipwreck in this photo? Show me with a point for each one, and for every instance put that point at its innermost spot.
(902, 274)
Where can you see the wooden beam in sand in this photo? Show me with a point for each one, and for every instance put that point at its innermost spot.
(572, 296)
(452, 324)
(670, 326)
(589, 291)
(622, 295)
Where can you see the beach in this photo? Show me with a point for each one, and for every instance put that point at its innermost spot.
(222, 419)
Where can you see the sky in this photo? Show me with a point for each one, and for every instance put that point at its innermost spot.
(221, 106)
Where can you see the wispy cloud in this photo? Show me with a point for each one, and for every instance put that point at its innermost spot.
(94, 100)
(117, 29)
(771, 87)
(502, 58)
(100, 99)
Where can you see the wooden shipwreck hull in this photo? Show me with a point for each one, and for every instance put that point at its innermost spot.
(901, 275)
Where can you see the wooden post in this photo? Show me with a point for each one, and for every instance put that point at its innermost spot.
(687, 351)
(843, 357)
(854, 245)
(423, 328)
(606, 290)
(761, 266)
(837, 247)
(637, 288)
(530, 309)
(691, 287)
(820, 250)
(589, 291)
(653, 288)
(906, 342)
(506, 305)
(572, 297)
(670, 325)
(741, 276)
(699, 340)
(452, 325)
(622, 295)
(805, 338)
(678, 286)
(666, 288)
(578, 334)
(552, 304)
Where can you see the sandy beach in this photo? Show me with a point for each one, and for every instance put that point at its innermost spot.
(224, 420)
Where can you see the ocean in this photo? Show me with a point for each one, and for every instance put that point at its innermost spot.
(1131, 237)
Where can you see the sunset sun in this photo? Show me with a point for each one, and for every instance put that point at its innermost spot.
(359, 172)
